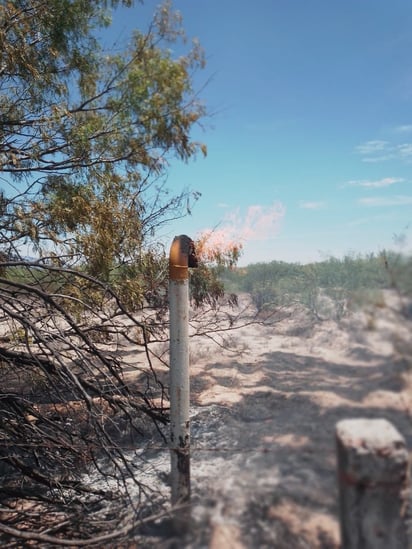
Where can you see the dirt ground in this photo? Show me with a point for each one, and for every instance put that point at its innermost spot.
(263, 423)
(264, 408)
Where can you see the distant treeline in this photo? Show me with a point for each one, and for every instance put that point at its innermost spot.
(352, 277)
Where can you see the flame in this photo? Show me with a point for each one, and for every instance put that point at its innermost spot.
(217, 245)
(259, 223)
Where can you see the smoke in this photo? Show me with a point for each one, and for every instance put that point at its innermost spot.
(261, 222)
(258, 223)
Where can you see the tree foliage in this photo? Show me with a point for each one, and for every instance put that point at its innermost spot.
(86, 137)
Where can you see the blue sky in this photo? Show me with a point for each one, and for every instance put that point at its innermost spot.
(310, 141)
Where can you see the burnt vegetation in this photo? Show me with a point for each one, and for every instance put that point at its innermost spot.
(66, 408)
(85, 139)
(86, 136)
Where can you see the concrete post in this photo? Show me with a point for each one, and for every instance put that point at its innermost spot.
(181, 257)
(373, 476)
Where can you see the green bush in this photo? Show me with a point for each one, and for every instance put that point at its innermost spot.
(325, 288)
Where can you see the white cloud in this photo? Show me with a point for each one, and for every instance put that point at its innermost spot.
(381, 158)
(372, 147)
(405, 150)
(378, 183)
(382, 201)
(405, 128)
(371, 219)
(312, 205)
(380, 151)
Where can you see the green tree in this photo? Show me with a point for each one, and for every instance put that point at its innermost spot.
(86, 136)
(85, 141)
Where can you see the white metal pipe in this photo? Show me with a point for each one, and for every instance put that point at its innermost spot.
(179, 391)
(179, 368)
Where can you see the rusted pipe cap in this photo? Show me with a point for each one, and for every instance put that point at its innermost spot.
(182, 256)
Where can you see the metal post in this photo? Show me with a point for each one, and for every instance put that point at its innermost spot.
(181, 257)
